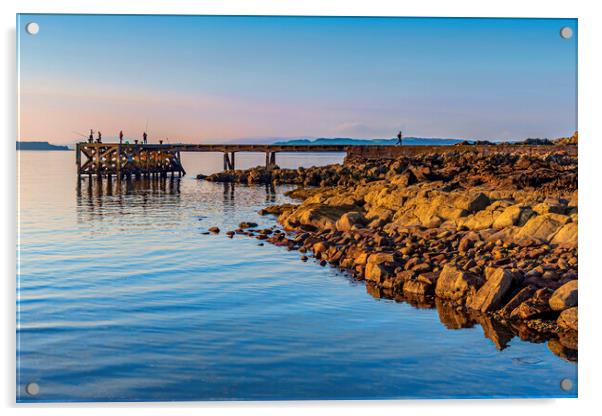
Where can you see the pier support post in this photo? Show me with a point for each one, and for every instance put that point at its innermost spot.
(228, 161)
(270, 160)
(179, 164)
(97, 161)
(78, 160)
(118, 163)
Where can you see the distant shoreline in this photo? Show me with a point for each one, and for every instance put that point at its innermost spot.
(40, 146)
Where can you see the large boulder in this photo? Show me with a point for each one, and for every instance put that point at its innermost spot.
(543, 227)
(350, 220)
(472, 201)
(567, 235)
(551, 205)
(521, 296)
(513, 215)
(417, 287)
(314, 215)
(489, 296)
(568, 319)
(564, 297)
(480, 221)
(379, 267)
(405, 179)
(536, 306)
(455, 284)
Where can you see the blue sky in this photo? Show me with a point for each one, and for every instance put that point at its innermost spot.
(203, 78)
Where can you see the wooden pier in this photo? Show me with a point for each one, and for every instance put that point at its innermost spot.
(121, 160)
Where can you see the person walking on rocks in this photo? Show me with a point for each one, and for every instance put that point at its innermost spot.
(99, 137)
(121, 137)
(399, 137)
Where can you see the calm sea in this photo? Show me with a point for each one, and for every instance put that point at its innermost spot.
(122, 297)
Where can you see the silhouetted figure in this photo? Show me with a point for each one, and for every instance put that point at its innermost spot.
(99, 137)
(160, 141)
(144, 137)
(91, 136)
(135, 141)
(399, 137)
(120, 136)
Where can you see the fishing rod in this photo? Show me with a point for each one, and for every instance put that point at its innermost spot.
(80, 134)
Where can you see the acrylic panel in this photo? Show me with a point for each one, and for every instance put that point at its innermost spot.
(291, 208)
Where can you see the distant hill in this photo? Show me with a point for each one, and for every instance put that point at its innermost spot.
(39, 146)
(413, 141)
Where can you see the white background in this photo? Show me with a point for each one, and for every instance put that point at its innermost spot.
(590, 157)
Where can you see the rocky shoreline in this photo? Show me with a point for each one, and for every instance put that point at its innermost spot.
(486, 237)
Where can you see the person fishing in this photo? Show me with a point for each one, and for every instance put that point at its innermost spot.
(99, 137)
(399, 137)
(121, 137)
(144, 137)
(91, 136)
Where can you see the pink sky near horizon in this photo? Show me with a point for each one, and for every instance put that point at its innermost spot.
(58, 114)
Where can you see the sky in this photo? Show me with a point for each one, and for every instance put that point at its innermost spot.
(203, 79)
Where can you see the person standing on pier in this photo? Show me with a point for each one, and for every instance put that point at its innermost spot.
(121, 137)
(99, 137)
(144, 137)
(399, 137)
(91, 136)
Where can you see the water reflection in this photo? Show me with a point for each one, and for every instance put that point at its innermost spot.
(230, 191)
(499, 333)
(97, 196)
(96, 188)
(94, 193)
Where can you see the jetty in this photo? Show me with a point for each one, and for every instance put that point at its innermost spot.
(108, 159)
(126, 160)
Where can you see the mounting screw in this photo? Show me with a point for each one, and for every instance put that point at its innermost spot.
(32, 389)
(566, 32)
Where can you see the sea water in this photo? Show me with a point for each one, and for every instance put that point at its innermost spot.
(122, 296)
